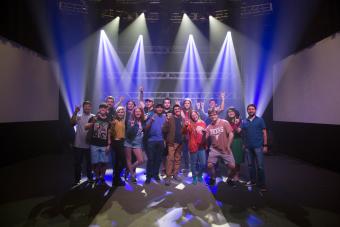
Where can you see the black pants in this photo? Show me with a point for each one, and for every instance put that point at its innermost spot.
(79, 154)
(118, 157)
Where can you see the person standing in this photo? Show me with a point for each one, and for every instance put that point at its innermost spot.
(110, 102)
(81, 148)
(212, 104)
(155, 143)
(256, 144)
(221, 136)
(100, 141)
(167, 110)
(117, 143)
(233, 117)
(134, 141)
(172, 130)
(196, 145)
(186, 110)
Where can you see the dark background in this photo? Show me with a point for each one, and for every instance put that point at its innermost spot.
(314, 143)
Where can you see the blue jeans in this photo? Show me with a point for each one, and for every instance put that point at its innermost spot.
(198, 156)
(154, 153)
(185, 153)
(255, 159)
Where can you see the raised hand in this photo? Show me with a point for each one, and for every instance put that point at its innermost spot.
(121, 98)
(222, 95)
(141, 89)
(77, 109)
(198, 105)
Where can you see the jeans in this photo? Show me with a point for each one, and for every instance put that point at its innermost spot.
(185, 154)
(154, 153)
(197, 156)
(255, 159)
(79, 154)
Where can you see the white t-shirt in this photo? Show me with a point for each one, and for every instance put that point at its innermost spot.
(80, 139)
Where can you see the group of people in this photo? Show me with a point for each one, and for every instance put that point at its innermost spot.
(168, 135)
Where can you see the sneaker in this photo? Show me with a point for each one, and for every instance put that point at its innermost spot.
(185, 171)
(157, 179)
(249, 184)
(200, 179)
(212, 181)
(177, 178)
(263, 189)
(118, 182)
(148, 180)
(126, 174)
(230, 182)
(194, 180)
(76, 183)
(133, 179)
(167, 181)
(90, 180)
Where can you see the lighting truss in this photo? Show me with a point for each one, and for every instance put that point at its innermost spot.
(176, 17)
(178, 76)
(79, 7)
(221, 15)
(200, 1)
(256, 10)
(194, 96)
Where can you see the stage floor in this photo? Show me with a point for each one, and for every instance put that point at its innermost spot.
(38, 192)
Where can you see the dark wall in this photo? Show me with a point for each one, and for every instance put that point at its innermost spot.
(24, 140)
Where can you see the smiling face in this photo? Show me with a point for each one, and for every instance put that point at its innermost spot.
(130, 105)
(167, 104)
(110, 102)
(159, 110)
(87, 108)
(177, 111)
(194, 116)
(251, 110)
(212, 104)
(231, 113)
(120, 113)
(148, 104)
(138, 113)
(213, 116)
(103, 111)
(187, 104)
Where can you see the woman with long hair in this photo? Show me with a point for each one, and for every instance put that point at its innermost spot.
(194, 128)
(134, 141)
(233, 117)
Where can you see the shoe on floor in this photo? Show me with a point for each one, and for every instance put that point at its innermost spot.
(194, 180)
(230, 182)
(249, 183)
(148, 180)
(157, 179)
(263, 189)
(167, 181)
(118, 182)
(212, 181)
(177, 178)
(200, 179)
(133, 179)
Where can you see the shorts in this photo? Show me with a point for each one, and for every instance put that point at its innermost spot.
(98, 155)
(137, 143)
(215, 154)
